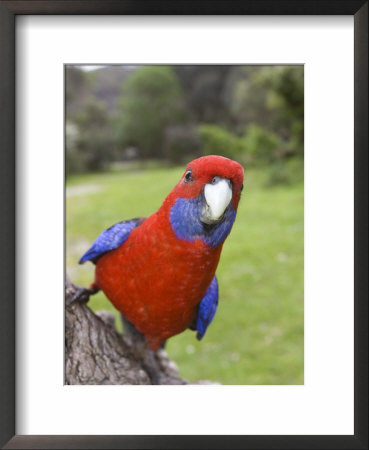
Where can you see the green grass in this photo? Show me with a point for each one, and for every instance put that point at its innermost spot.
(257, 336)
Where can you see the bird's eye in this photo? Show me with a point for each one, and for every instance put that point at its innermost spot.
(188, 176)
(214, 180)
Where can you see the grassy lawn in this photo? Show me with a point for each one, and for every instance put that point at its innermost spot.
(257, 336)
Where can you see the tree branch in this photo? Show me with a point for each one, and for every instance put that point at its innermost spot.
(95, 353)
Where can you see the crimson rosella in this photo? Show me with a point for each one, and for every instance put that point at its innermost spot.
(159, 272)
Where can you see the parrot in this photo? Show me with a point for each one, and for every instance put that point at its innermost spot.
(159, 271)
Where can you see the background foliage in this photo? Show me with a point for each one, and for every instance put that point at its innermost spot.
(174, 113)
(130, 130)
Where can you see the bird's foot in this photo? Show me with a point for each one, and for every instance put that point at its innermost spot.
(159, 369)
(148, 359)
(167, 366)
(82, 295)
(155, 363)
(153, 371)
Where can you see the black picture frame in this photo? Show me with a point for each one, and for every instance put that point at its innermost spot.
(8, 12)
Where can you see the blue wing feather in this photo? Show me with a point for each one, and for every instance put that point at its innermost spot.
(207, 308)
(110, 239)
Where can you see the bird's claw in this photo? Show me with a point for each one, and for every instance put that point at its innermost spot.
(81, 294)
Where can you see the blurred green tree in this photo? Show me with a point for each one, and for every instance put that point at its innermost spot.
(151, 100)
(261, 145)
(90, 144)
(205, 89)
(216, 140)
(271, 98)
(254, 114)
(285, 87)
(77, 88)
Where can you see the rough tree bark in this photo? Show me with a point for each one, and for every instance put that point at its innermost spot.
(95, 353)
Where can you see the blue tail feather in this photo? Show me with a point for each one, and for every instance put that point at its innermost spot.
(207, 308)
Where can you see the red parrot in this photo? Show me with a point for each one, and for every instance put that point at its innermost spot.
(159, 272)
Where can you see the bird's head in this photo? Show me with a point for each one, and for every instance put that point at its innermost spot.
(204, 202)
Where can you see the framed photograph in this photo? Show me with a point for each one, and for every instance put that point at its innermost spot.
(152, 121)
(288, 82)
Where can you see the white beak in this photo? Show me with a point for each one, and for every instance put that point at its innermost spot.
(217, 197)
